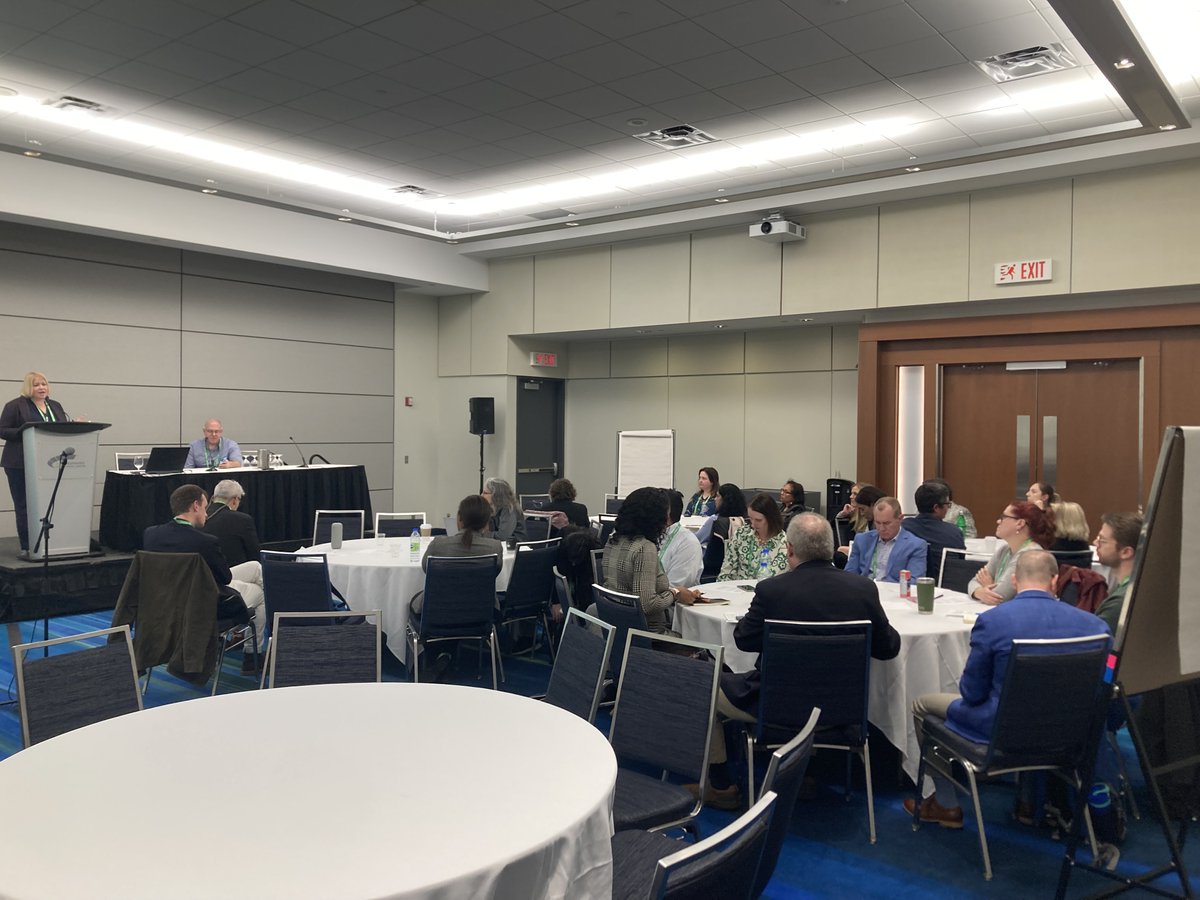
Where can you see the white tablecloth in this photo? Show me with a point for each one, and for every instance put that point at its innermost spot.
(379, 573)
(372, 790)
(933, 652)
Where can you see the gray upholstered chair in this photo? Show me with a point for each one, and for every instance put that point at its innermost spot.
(327, 650)
(577, 679)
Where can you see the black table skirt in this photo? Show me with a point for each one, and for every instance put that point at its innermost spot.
(281, 501)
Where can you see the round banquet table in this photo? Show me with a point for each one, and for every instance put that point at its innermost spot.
(380, 573)
(933, 652)
(366, 790)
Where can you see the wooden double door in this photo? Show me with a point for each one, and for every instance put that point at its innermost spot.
(1077, 427)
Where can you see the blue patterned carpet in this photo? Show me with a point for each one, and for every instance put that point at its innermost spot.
(827, 853)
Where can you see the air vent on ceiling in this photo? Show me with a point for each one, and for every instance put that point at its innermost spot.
(675, 137)
(68, 102)
(550, 214)
(415, 189)
(1027, 63)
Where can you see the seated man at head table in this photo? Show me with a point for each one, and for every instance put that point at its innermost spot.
(882, 553)
(679, 551)
(812, 590)
(185, 534)
(1034, 613)
(933, 499)
(233, 528)
(214, 450)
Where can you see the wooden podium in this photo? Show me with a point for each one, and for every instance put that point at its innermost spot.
(60, 466)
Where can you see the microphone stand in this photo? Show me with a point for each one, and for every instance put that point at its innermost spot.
(44, 534)
(481, 462)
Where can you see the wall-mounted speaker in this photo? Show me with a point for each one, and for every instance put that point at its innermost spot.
(483, 415)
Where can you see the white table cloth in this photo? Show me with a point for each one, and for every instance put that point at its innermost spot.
(933, 652)
(351, 791)
(379, 573)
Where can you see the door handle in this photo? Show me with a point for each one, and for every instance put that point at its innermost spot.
(551, 469)
(1023, 448)
(1050, 448)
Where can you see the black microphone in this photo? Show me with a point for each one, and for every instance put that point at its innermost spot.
(303, 462)
(68, 453)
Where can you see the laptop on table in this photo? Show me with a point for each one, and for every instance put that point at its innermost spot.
(166, 460)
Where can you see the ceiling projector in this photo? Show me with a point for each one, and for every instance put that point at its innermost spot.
(778, 230)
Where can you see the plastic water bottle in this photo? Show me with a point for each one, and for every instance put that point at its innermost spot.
(961, 524)
(414, 546)
(1105, 820)
(764, 562)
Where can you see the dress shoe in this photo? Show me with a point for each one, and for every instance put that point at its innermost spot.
(932, 811)
(729, 799)
(251, 664)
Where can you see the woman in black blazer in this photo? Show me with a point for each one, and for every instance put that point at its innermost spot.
(34, 405)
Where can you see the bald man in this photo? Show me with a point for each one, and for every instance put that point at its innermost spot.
(214, 450)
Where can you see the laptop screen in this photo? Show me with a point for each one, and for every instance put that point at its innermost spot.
(166, 459)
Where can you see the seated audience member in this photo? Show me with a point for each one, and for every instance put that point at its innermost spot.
(680, 554)
(214, 450)
(1042, 495)
(233, 528)
(731, 513)
(474, 518)
(1071, 530)
(932, 499)
(185, 534)
(631, 557)
(956, 510)
(562, 499)
(758, 549)
(1116, 545)
(791, 500)
(1020, 528)
(1032, 614)
(508, 520)
(857, 512)
(881, 554)
(812, 590)
(704, 501)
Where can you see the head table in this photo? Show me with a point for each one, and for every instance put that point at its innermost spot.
(367, 790)
(933, 652)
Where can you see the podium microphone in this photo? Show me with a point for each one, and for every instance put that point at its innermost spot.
(303, 461)
(68, 453)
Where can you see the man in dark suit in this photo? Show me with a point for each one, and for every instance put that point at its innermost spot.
(813, 590)
(933, 500)
(233, 528)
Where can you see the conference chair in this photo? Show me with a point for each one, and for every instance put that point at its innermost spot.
(296, 582)
(1035, 729)
(815, 665)
(532, 501)
(327, 650)
(577, 679)
(597, 566)
(350, 519)
(662, 721)
(958, 570)
(398, 524)
(124, 461)
(612, 504)
(65, 691)
(562, 593)
(538, 526)
(623, 612)
(180, 618)
(608, 524)
(459, 604)
(1081, 558)
(530, 590)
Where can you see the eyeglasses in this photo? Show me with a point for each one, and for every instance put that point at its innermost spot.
(1103, 540)
(1007, 516)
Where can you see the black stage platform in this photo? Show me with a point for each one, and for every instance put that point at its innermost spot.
(31, 591)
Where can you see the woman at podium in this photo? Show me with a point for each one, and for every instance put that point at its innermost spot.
(34, 405)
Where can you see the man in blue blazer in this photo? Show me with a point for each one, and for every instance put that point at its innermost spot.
(1034, 613)
(882, 553)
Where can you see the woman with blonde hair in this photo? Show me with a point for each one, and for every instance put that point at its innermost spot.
(1071, 530)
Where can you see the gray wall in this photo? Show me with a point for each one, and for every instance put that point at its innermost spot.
(155, 340)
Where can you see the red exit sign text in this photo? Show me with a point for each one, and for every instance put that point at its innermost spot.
(1024, 270)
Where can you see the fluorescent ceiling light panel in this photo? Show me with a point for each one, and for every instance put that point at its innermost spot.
(1168, 29)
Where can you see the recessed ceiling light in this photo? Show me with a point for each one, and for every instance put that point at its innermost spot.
(720, 199)
(718, 326)
(1167, 127)
(912, 169)
(806, 319)
(1125, 63)
(209, 181)
(344, 219)
(451, 242)
(208, 190)
(635, 122)
(34, 142)
(571, 224)
(32, 154)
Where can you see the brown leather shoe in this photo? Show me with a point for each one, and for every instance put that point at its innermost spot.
(932, 811)
(729, 798)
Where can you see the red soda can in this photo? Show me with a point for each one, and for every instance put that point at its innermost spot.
(905, 583)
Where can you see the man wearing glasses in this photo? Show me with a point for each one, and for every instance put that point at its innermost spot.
(933, 499)
(214, 450)
(1116, 545)
(233, 528)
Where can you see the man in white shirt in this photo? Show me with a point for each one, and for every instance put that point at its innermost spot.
(679, 551)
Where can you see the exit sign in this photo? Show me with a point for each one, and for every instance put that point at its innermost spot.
(548, 360)
(1024, 270)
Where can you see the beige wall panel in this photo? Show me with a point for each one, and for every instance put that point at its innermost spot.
(1137, 228)
(415, 438)
(588, 359)
(458, 449)
(52, 287)
(265, 418)
(147, 416)
(79, 353)
(650, 281)
(571, 290)
(845, 346)
(253, 271)
(1026, 222)
(837, 267)
(49, 242)
(923, 251)
(734, 276)
(294, 366)
(787, 429)
(234, 307)
(843, 431)
(382, 501)
(518, 357)
(806, 349)
(506, 309)
(638, 359)
(596, 409)
(454, 336)
(708, 415)
(708, 354)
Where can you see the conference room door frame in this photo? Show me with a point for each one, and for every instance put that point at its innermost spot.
(541, 434)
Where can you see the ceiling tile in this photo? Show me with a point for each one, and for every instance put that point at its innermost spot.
(243, 44)
(112, 37)
(294, 121)
(446, 165)
(193, 62)
(738, 125)
(488, 56)
(486, 129)
(164, 17)
(264, 85)
(360, 12)
(622, 18)
(436, 111)
(40, 16)
(313, 69)
(944, 81)
(487, 95)
(1004, 36)
(363, 49)
(36, 78)
(835, 75)
(871, 96)
(974, 100)
(399, 151)
(117, 97)
(820, 12)
(759, 92)
(592, 102)
(951, 15)
(992, 120)
(720, 69)
(539, 115)
(756, 20)
(914, 56)
(945, 147)
(423, 29)
(693, 107)
(608, 61)
(801, 48)
(292, 22)
(137, 73)
(437, 140)
(489, 16)
(328, 105)
(544, 80)
(676, 42)
(900, 118)
(224, 101)
(882, 28)
(654, 87)
(389, 124)
(1057, 125)
(182, 115)
(627, 148)
(798, 112)
(584, 134)
(13, 36)
(489, 154)
(552, 35)
(67, 55)
(424, 71)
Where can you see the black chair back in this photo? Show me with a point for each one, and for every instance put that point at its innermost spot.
(531, 584)
(460, 596)
(807, 665)
(577, 678)
(597, 566)
(345, 652)
(785, 777)
(957, 571)
(533, 501)
(612, 505)
(296, 582)
(537, 528)
(624, 612)
(607, 525)
(562, 592)
(350, 519)
(723, 865)
(1081, 558)
(397, 527)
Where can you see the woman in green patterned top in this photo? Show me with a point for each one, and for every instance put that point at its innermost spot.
(759, 548)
